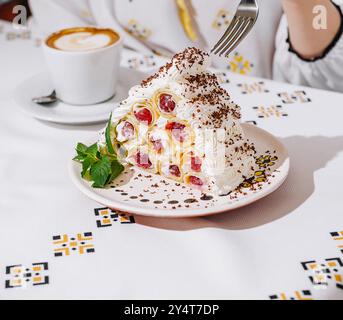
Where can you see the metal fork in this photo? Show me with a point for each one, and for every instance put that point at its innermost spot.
(240, 26)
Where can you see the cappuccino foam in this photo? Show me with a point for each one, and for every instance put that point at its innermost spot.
(82, 39)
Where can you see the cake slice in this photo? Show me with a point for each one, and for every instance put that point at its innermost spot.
(181, 124)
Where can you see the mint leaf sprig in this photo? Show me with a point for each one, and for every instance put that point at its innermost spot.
(101, 168)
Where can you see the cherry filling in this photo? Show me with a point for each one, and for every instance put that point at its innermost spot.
(195, 181)
(196, 164)
(143, 161)
(143, 115)
(174, 171)
(178, 130)
(128, 130)
(167, 103)
(158, 146)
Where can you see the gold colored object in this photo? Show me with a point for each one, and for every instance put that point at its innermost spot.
(186, 19)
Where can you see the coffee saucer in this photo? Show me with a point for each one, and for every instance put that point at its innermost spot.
(60, 112)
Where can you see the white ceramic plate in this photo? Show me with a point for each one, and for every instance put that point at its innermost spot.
(145, 194)
(60, 112)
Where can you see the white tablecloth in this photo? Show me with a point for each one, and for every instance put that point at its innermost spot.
(286, 246)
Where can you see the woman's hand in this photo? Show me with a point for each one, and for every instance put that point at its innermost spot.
(305, 39)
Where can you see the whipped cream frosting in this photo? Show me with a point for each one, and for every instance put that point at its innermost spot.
(228, 157)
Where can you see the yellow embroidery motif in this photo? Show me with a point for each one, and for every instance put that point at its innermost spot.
(338, 236)
(222, 20)
(240, 65)
(137, 30)
(250, 88)
(19, 276)
(269, 112)
(322, 274)
(66, 245)
(146, 61)
(298, 295)
(107, 217)
(293, 97)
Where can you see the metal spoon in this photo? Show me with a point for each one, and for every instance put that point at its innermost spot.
(46, 100)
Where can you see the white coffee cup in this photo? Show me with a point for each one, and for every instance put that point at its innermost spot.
(84, 70)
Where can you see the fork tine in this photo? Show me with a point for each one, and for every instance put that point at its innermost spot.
(233, 36)
(236, 36)
(228, 30)
(237, 41)
(232, 28)
(242, 23)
